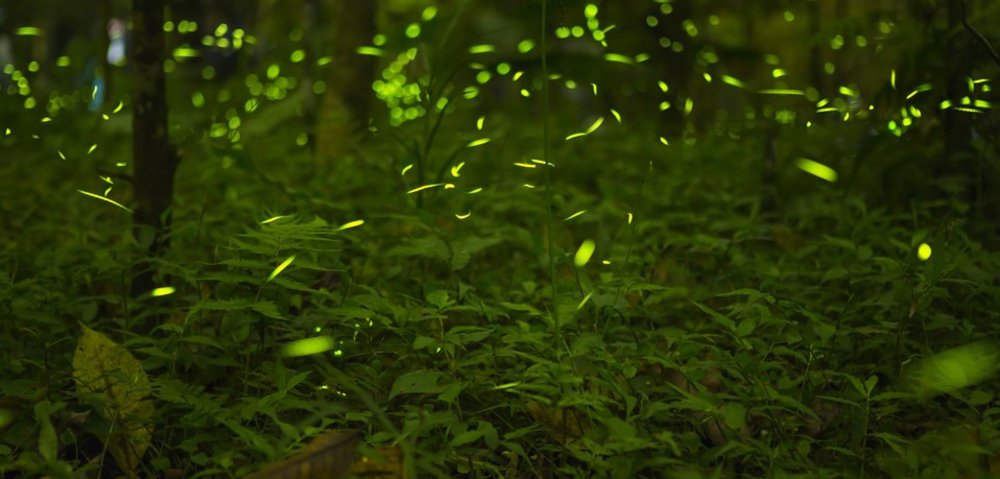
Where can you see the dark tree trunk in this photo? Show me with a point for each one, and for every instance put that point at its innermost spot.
(107, 13)
(346, 105)
(154, 156)
(677, 66)
(816, 66)
(957, 124)
(355, 27)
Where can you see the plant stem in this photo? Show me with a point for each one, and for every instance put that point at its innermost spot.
(548, 168)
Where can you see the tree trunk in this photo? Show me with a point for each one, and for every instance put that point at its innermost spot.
(957, 124)
(816, 65)
(154, 156)
(346, 105)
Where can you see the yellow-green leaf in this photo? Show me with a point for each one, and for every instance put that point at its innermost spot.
(108, 374)
(584, 252)
(281, 267)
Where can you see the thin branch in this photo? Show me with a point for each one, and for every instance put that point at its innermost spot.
(983, 40)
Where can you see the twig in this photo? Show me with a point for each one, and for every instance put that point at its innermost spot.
(975, 33)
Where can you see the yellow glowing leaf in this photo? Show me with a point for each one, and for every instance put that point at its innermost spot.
(162, 291)
(273, 219)
(618, 58)
(597, 124)
(584, 301)
(28, 31)
(617, 116)
(186, 52)
(308, 346)
(479, 142)
(425, 187)
(781, 91)
(919, 89)
(477, 49)
(351, 224)
(816, 169)
(954, 369)
(584, 252)
(281, 267)
(507, 385)
(370, 51)
(733, 81)
(106, 200)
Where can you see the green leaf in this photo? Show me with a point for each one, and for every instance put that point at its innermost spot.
(745, 328)
(423, 342)
(423, 381)
(451, 392)
(466, 248)
(521, 307)
(204, 341)
(734, 415)
(462, 335)
(48, 445)
(619, 429)
(466, 437)
(719, 318)
(267, 309)
(438, 298)
(428, 247)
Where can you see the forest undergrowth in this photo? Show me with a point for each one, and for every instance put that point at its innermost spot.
(688, 307)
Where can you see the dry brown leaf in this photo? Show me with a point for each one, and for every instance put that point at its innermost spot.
(107, 371)
(328, 456)
(386, 463)
(565, 424)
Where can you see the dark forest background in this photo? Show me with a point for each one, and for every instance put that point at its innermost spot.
(472, 238)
